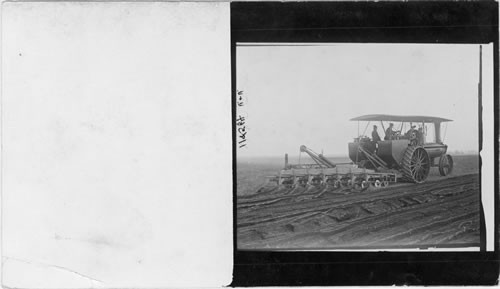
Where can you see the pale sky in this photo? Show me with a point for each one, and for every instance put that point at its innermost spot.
(298, 95)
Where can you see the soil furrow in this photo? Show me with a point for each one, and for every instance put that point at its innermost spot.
(437, 212)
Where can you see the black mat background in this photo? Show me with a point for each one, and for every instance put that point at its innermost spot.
(386, 22)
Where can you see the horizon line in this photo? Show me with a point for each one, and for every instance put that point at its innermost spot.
(465, 153)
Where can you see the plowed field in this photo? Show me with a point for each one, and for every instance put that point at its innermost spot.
(440, 212)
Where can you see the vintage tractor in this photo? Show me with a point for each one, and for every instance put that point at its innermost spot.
(377, 162)
(410, 150)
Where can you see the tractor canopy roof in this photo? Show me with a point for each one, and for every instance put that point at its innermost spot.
(398, 118)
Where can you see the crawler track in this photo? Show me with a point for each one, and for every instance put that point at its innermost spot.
(437, 213)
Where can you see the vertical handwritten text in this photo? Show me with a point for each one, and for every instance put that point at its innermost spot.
(240, 121)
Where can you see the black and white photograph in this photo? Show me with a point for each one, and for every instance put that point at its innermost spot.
(359, 146)
(216, 144)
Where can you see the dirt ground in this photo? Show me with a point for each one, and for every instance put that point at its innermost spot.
(442, 212)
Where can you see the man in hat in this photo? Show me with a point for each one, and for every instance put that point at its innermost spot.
(389, 132)
(412, 135)
(409, 132)
(375, 136)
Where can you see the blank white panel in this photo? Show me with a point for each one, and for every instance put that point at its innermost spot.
(116, 144)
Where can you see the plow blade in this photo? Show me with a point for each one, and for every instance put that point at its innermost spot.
(340, 177)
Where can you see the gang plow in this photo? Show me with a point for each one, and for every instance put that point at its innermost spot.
(329, 176)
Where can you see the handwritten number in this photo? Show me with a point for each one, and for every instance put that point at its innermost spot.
(240, 121)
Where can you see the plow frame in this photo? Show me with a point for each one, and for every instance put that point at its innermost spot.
(335, 177)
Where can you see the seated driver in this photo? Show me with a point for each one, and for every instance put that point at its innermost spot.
(411, 133)
(389, 133)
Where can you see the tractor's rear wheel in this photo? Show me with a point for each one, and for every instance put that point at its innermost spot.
(445, 165)
(415, 165)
